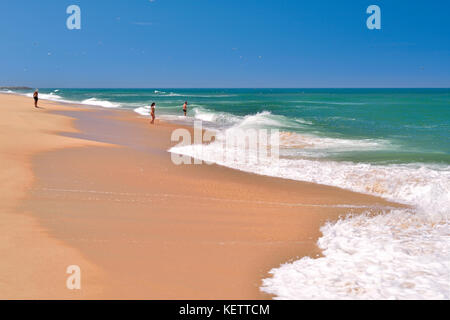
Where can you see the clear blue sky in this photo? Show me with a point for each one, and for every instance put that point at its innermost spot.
(225, 43)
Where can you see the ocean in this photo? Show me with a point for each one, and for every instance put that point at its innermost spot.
(392, 143)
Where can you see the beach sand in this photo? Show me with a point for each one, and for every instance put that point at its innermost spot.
(97, 188)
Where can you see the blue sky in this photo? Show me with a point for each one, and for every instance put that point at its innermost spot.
(225, 43)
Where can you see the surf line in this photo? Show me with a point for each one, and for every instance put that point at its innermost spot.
(172, 195)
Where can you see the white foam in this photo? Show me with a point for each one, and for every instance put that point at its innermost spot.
(144, 111)
(91, 101)
(211, 117)
(220, 118)
(303, 121)
(263, 119)
(307, 141)
(396, 255)
(166, 94)
(401, 254)
(100, 103)
(302, 142)
(415, 184)
(50, 96)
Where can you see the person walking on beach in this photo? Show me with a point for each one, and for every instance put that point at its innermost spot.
(185, 108)
(152, 112)
(36, 98)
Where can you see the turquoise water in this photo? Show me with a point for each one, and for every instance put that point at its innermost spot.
(411, 125)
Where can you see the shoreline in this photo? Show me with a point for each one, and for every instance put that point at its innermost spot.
(218, 230)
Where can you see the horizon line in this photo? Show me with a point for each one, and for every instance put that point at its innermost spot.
(231, 88)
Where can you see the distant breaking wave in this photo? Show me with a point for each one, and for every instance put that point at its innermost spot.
(100, 103)
(90, 102)
(190, 95)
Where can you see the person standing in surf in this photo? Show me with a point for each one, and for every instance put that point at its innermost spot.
(36, 98)
(185, 108)
(152, 112)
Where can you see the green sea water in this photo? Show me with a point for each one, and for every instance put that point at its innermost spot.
(406, 125)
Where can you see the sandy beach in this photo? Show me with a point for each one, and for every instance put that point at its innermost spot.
(97, 188)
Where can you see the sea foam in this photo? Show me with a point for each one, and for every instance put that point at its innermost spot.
(398, 254)
(100, 103)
